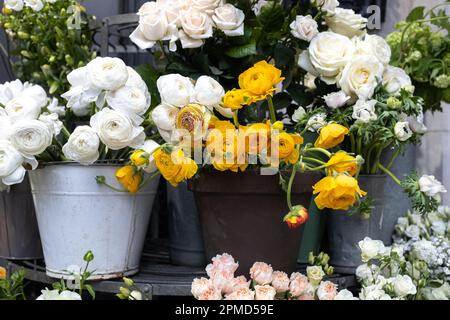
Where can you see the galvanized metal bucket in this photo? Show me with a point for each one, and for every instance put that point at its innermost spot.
(75, 215)
(19, 234)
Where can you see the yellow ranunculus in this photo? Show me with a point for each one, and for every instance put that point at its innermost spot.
(6, 11)
(192, 118)
(235, 99)
(260, 80)
(287, 147)
(3, 273)
(331, 135)
(257, 137)
(139, 158)
(338, 193)
(342, 162)
(130, 178)
(175, 167)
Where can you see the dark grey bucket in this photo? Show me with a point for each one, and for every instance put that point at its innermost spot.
(185, 232)
(19, 234)
(345, 231)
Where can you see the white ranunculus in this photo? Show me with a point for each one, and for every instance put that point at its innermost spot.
(230, 20)
(360, 77)
(10, 90)
(346, 22)
(374, 45)
(329, 53)
(206, 6)
(328, 6)
(164, 116)
(317, 122)
(430, 186)
(52, 121)
(402, 131)
(23, 108)
(116, 130)
(107, 73)
(16, 5)
(370, 249)
(54, 107)
(132, 101)
(82, 146)
(395, 79)
(31, 137)
(196, 24)
(364, 111)
(37, 93)
(304, 27)
(35, 5)
(56, 295)
(336, 100)
(299, 114)
(5, 125)
(11, 170)
(345, 295)
(135, 80)
(403, 286)
(208, 92)
(175, 89)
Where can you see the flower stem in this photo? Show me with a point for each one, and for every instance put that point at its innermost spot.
(273, 115)
(325, 152)
(289, 188)
(236, 119)
(390, 174)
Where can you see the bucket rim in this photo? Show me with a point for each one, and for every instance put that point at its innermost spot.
(99, 163)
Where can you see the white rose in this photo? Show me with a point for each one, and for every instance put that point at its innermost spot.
(299, 114)
(412, 231)
(54, 107)
(402, 131)
(56, 295)
(317, 122)
(116, 130)
(208, 92)
(196, 25)
(304, 62)
(403, 286)
(364, 273)
(188, 42)
(36, 5)
(31, 137)
(10, 90)
(173, 9)
(345, 295)
(329, 53)
(82, 146)
(149, 147)
(346, 22)
(315, 274)
(200, 286)
(373, 292)
(175, 89)
(336, 100)
(11, 170)
(431, 186)
(52, 121)
(309, 81)
(304, 28)
(326, 5)
(23, 108)
(230, 20)
(265, 293)
(107, 73)
(370, 249)
(206, 6)
(364, 111)
(164, 116)
(395, 79)
(16, 5)
(374, 45)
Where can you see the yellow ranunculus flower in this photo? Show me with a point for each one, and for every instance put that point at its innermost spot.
(257, 137)
(6, 11)
(338, 193)
(260, 80)
(235, 99)
(192, 117)
(287, 147)
(175, 167)
(3, 273)
(331, 135)
(139, 158)
(130, 178)
(342, 162)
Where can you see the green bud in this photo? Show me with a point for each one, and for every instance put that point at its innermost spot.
(53, 87)
(45, 51)
(34, 38)
(69, 59)
(311, 258)
(393, 103)
(329, 270)
(325, 259)
(46, 69)
(23, 35)
(442, 81)
(89, 256)
(128, 282)
(52, 59)
(7, 25)
(37, 75)
(125, 292)
(415, 56)
(27, 54)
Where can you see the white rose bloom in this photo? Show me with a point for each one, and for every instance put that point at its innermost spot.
(173, 9)
(304, 28)
(317, 122)
(402, 131)
(56, 295)
(336, 100)
(107, 73)
(412, 231)
(10, 90)
(54, 107)
(265, 292)
(431, 186)
(299, 114)
(149, 147)
(346, 22)
(364, 111)
(373, 292)
(206, 6)
(31, 137)
(52, 121)
(23, 108)
(165, 116)
(315, 274)
(16, 5)
(230, 20)
(116, 130)
(208, 92)
(82, 146)
(345, 295)
(370, 249)
(175, 89)
(403, 286)
(196, 26)
(360, 77)
(395, 79)
(36, 5)
(188, 42)
(329, 53)
(328, 6)
(364, 273)
(304, 62)
(374, 45)
(11, 170)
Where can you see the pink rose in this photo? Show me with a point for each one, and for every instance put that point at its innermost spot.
(200, 286)
(265, 293)
(261, 273)
(211, 294)
(280, 281)
(236, 284)
(222, 262)
(241, 294)
(327, 291)
(299, 284)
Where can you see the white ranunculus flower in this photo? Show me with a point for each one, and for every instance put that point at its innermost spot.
(23, 108)
(346, 22)
(374, 45)
(82, 146)
(208, 92)
(431, 186)
(328, 6)
(135, 80)
(336, 100)
(299, 114)
(54, 107)
(16, 5)
(52, 121)
(402, 131)
(175, 89)
(206, 6)
(317, 122)
(116, 130)
(439, 227)
(230, 20)
(56, 295)
(36, 5)
(10, 90)
(164, 116)
(132, 101)
(345, 295)
(37, 93)
(107, 73)
(403, 286)
(360, 77)
(5, 125)
(11, 170)
(304, 28)
(329, 53)
(370, 249)
(364, 111)
(395, 79)
(31, 137)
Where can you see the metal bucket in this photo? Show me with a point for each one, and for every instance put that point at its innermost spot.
(19, 234)
(345, 231)
(75, 215)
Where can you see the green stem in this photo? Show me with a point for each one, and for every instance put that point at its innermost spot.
(273, 115)
(325, 152)
(143, 184)
(289, 188)
(352, 143)
(236, 119)
(394, 157)
(313, 160)
(113, 188)
(309, 126)
(390, 174)
(65, 132)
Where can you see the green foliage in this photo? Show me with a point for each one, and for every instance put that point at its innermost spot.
(12, 288)
(419, 201)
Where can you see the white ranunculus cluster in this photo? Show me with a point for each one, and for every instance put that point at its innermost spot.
(190, 21)
(26, 128)
(35, 5)
(57, 295)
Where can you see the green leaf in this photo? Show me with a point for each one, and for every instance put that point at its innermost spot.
(91, 290)
(242, 51)
(416, 14)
